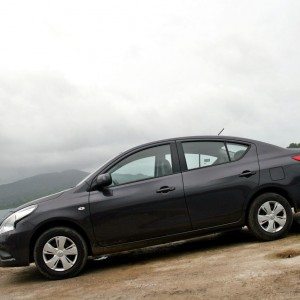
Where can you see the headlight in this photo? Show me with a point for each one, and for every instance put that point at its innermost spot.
(9, 223)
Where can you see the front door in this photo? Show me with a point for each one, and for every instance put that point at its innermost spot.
(146, 199)
(218, 178)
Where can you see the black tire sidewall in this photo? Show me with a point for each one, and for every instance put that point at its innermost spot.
(81, 248)
(254, 225)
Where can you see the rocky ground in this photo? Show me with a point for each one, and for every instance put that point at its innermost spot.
(228, 266)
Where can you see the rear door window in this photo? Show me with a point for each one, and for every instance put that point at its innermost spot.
(200, 154)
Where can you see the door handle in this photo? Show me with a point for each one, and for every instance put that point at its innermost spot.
(165, 189)
(247, 173)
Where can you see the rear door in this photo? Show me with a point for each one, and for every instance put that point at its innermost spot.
(218, 177)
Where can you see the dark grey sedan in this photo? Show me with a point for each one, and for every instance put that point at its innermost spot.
(157, 193)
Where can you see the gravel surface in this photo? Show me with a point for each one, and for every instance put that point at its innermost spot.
(228, 266)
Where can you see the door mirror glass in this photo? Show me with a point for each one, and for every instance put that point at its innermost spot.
(104, 180)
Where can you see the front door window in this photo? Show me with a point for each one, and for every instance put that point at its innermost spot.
(146, 164)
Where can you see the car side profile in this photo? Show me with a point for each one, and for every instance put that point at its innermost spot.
(157, 193)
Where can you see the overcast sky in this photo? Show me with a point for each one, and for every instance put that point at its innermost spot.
(81, 81)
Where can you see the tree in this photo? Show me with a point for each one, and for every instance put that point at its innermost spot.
(294, 145)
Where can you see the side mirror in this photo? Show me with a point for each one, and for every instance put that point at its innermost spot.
(104, 180)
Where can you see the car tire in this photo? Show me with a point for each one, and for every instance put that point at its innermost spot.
(270, 217)
(60, 253)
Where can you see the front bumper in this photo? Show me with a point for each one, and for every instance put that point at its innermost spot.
(15, 248)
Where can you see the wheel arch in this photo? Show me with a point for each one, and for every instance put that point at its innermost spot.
(58, 223)
(271, 189)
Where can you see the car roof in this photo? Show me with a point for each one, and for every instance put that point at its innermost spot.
(262, 147)
(206, 137)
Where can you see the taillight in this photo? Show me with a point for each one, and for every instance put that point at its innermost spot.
(296, 157)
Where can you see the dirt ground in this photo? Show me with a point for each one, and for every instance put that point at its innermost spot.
(228, 266)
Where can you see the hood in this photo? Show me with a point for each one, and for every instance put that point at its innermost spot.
(6, 212)
(40, 200)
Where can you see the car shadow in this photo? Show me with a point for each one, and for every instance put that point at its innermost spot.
(142, 256)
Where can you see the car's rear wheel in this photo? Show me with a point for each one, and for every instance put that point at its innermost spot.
(60, 253)
(270, 217)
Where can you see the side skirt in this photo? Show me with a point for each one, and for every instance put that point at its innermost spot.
(100, 250)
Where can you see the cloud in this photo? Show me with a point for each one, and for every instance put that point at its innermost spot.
(81, 84)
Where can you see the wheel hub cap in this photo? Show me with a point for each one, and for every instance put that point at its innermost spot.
(60, 253)
(272, 216)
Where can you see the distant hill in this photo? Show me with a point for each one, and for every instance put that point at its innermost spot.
(25, 190)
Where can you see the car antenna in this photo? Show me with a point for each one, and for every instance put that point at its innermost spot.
(221, 131)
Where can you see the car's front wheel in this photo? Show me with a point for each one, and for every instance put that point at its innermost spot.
(270, 217)
(60, 253)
